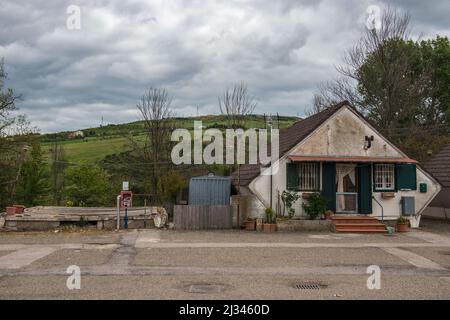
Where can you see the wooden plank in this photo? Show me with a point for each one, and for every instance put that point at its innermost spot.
(202, 217)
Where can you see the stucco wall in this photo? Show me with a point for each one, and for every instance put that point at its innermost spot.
(343, 135)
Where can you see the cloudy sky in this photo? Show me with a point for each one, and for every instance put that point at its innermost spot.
(70, 79)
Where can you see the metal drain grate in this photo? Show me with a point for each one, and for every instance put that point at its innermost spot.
(308, 286)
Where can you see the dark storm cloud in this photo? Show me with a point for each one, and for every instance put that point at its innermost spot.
(69, 79)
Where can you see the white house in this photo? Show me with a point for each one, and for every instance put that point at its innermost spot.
(339, 154)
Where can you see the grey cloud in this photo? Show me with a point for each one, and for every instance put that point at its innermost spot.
(282, 49)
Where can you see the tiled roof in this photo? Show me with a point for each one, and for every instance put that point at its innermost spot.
(289, 138)
(439, 166)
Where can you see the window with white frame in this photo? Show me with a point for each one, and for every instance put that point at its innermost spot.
(309, 176)
(384, 177)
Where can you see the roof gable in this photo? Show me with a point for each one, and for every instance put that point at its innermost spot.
(343, 135)
(289, 138)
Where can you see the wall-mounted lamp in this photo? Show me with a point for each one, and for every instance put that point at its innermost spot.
(368, 142)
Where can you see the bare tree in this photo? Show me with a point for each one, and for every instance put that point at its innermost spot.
(7, 101)
(381, 90)
(236, 103)
(155, 110)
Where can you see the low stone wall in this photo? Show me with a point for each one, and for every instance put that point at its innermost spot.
(304, 225)
(35, 225)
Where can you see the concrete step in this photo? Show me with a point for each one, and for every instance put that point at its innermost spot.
(355, 230)
(360, 226)
(356, 219)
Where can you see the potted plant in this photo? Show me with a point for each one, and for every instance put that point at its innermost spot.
(289, 197)
(270, 224)
(315, 206)
(402, 224)
(328, 214)
(250, 224)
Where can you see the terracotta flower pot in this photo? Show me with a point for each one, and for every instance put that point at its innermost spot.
(269, 227)
(402, 227)
(19, 208)
(250, 225)
(10, 211)
(328, 216)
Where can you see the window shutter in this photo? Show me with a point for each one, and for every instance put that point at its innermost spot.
(291, 176)
(406, 176)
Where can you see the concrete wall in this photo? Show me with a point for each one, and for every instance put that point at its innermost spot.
(342, 135)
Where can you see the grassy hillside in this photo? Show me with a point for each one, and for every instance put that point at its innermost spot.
(102, 141)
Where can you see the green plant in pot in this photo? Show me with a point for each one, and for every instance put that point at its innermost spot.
(315, 206)
(289, 198)
(402, 224)
(270, 223)
(328, 214)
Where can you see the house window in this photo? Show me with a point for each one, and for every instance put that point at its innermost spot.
(384, 177)
(308, 176)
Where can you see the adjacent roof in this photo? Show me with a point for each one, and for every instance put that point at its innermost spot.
(289, 138)
(439, 166)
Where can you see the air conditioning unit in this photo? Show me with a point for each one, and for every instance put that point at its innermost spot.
(408, 206)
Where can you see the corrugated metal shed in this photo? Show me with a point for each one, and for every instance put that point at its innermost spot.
(210, 190)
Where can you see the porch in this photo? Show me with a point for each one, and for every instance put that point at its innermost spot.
(349, 184)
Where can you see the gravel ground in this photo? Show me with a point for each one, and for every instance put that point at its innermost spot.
(234, 287)
(267, 257)
(129, 271)
(439, 255)
(67, 257)
(292, 237)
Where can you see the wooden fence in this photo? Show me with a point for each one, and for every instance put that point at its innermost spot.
(202, 217)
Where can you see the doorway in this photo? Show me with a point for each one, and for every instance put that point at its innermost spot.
(346, 188)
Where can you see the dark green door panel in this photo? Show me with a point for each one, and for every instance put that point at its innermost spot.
(365, 188)
(329, 184)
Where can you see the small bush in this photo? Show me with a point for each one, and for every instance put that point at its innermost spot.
(83, 222)
(270, 215)
(315, 206)
(402, 220)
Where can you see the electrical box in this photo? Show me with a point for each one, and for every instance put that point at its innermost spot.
(423, 187)
(408, 206)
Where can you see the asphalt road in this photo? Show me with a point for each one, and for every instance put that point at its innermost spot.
(166, 264)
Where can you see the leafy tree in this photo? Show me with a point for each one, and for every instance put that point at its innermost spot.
(57, 167)
(401, 85)
(33, 184)
(171, 185)
(87, 185)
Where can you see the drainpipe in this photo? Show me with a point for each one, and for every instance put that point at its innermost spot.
(118, 211)
(382, 209)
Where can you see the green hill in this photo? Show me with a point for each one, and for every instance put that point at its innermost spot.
(109, 139)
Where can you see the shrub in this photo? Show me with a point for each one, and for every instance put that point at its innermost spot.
(402, 220)
(289, 197)
(270, 215)
(315, 206)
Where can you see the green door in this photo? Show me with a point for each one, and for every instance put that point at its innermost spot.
(329, 184)
(365, 188)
